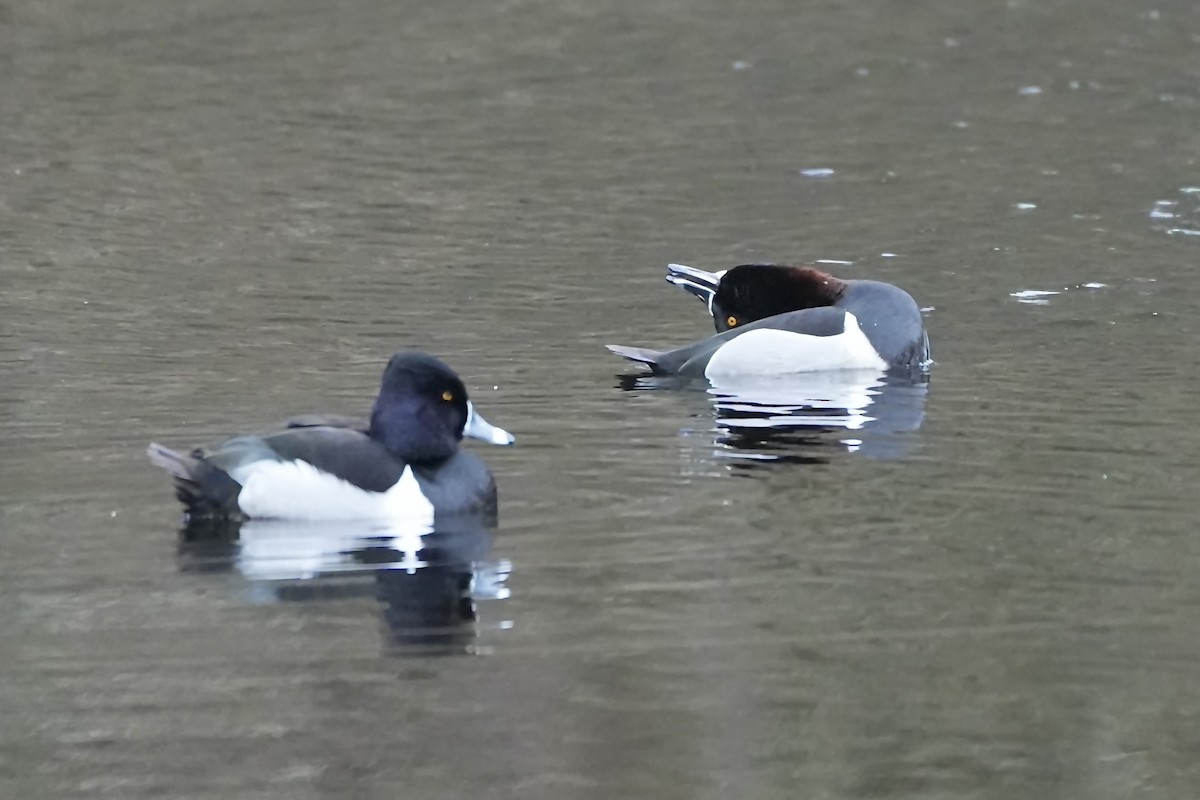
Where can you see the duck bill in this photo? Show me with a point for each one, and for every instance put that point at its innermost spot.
(479, 428)
(695, 281)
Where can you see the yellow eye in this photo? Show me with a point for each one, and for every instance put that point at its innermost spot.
(731, 321)
(448, 395)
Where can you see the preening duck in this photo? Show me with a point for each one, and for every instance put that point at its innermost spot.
(775, 319)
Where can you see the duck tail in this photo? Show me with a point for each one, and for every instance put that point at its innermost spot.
(177, 464)
(697, 282)
(642, 355)
(204, 490)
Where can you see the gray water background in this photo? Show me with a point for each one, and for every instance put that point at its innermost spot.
(215, 214)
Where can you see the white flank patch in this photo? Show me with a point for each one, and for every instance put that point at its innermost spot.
(767, 351)
(298, 490)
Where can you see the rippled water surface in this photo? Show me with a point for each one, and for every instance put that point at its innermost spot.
(217, 214)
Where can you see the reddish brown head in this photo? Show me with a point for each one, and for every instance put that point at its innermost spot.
(752, 292)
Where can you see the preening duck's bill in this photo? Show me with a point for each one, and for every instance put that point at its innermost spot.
(479, 428)
(695, 281)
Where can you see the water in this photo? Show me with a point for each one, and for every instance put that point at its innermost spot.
(214, 215)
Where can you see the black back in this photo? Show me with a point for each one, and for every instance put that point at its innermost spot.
(342, 452)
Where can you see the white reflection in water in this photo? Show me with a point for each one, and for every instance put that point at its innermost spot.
(1036, 297)
(1041, 297)
(426, 578)
(1179, 216)
(803, 418)
(839, 399)
(281, 550)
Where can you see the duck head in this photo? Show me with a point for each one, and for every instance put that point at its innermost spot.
(750, 292)
(423, 411)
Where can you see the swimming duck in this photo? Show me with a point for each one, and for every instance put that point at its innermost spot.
(773, 319)
(404, 462)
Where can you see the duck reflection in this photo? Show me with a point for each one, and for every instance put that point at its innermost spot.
(804, 418)
(427, 579)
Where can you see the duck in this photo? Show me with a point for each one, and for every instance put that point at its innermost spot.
(404, 462)
(775, 319)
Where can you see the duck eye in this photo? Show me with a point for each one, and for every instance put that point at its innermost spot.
(731, 321)
(448, 396)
